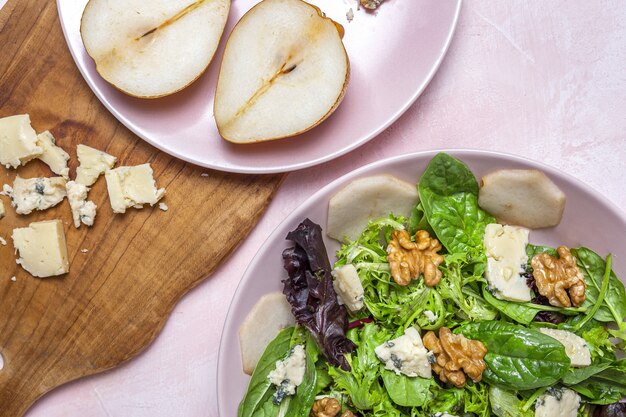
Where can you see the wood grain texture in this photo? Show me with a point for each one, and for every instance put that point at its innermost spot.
(118, 295)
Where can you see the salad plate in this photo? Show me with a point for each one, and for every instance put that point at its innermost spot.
(393, 53)
(588, 220)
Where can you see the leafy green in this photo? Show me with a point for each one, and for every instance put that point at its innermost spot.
(605, 387)
(532, 250)
(300, 404)
(449, 197)
(507, 404)
(613, 307)
(518, 358)
(362, 382)
(519, 312)
(407, 391)
(258, 399)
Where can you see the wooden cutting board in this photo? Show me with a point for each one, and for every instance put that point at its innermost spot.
(119, 293)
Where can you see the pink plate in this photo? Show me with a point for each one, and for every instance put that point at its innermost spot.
(393, 53)
(585, 211)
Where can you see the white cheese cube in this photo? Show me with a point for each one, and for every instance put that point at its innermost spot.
(561, 402)
(430, 316)
(405, 355)
(2, 211)
(82, 210)
(37, 193)
(289, 373)
(505, 247)
(132, 187)
(348, 287)
(576, 347)
(93, 163)
(18, 141)
(42, 248)
(53, 156)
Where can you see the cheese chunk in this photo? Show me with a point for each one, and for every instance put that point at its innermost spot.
(405, 355)
(53, 156)
(506, 259)
(348, 287)
(37, 193)
(576, 347)
(18, 141)
(42, 248)
(93, 163)
(132, 187)
(2, 212)
(561, 402)
(288, 373)
(82, 210)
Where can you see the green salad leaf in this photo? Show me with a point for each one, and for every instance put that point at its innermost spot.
(605, 387)
(408, 391)
(300, 404)
(518, 358)
(507, 404)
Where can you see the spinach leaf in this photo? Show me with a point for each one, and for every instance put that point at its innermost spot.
(258, 399)
(577, 375)
(406, 391)
(605, 387)
(300, 404)
(532, 250)
(418, 221)
(449, 196)
(516, 311)
(518, 358)
(506, 404)
(613, 309)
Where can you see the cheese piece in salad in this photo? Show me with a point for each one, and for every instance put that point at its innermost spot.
(458, 315)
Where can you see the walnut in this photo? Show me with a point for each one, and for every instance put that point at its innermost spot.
(408, 259)
(371, 4)
(456, 356)
(559, 279)
(325, 407)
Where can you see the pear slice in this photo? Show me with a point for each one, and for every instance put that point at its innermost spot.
(350, 210)
(284, 71)
(151, 49)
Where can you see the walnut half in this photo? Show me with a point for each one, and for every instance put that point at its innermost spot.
(408, 259)
(559, 279)
(456, 356)
(328, 407)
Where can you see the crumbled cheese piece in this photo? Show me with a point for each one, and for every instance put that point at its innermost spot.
(430, 316)
(42, 248)
(18, 141)
(506, 259)
(84, 250)
(576, 347)
(163, 207)
(348, 287)
(2, 211)
(7, 190)
(53, 156)
(406, 355)
(350, 15)
(13, 279)
(3, 242)
(132, 186)
(37, 193)
(82, 210)
(93, 163)
(562, 402)
(288, 373)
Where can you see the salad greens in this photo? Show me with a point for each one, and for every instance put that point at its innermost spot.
(521, 362)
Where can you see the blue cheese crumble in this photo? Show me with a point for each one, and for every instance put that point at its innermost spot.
(288, 373)
(406, 355)
(560, 402)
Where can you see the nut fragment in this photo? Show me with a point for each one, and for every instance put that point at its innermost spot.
(456, 356)
(325, 407)
(371, 4)
(408, 259)
(559, 279)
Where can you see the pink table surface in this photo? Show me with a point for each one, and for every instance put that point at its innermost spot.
(545, 80)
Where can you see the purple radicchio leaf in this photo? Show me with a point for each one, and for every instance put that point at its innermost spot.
(309, 290)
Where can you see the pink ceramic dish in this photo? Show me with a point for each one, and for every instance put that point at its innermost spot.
(394, 53)
(589, 220)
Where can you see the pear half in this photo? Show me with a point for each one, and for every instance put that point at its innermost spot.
(151, 49)
(284, 71)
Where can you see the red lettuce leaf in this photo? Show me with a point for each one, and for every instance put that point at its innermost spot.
(309, 289)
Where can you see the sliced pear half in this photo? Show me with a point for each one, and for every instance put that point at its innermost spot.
(150, 49)
(284, 71)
